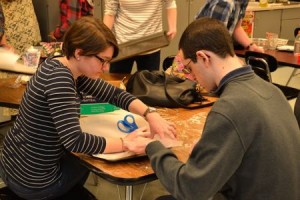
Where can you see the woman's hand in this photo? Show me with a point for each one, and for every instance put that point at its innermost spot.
(171, 34)
(157, 124)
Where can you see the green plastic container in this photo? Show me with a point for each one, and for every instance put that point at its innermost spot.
(96, 108)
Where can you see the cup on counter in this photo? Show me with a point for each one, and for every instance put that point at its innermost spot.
(260, 42)
(272, 40)
(31, 57)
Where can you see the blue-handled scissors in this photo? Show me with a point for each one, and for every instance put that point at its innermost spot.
(127, 125)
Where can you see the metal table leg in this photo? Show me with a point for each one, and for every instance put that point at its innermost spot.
(291, 76)
(128, 192)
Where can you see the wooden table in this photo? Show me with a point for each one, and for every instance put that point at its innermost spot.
(9, 96)
(283, 57)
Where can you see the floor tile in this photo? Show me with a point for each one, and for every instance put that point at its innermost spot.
(107, 190)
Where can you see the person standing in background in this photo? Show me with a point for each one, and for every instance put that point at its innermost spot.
(71, 10)
(231, 13)
(21, 25)
(135, 19)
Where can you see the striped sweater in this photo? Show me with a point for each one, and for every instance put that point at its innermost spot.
(136, 19)
(48, 124)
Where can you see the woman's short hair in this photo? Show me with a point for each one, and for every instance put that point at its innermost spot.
(90, 35)
(206, 34)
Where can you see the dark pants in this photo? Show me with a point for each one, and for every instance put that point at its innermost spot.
(73, 174)
(144, 62)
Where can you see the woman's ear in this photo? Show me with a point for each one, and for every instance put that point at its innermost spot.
(77, 54)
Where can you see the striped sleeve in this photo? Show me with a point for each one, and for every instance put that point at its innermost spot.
(111, 7)
(105, 92)
(61, 97)
(170, 4)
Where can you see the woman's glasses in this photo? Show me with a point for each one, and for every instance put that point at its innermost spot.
(103, 62)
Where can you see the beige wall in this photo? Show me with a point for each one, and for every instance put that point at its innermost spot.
(186, 11)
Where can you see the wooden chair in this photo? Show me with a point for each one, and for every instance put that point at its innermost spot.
(165, 197)
(168, 61)
(263, 64)
(295, 69)
(296, 31)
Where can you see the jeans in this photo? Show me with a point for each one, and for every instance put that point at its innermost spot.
(144, 62)
(73, 173)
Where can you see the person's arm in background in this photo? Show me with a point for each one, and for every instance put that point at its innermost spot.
(3, 42)
(172, 19)
(110, 11)
(242, 38)
(2, 21)
(222, 11)
(109, 20)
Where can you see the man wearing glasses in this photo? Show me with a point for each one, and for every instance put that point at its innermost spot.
(250, 144)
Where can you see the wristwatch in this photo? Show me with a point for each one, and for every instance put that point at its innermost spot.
(149, 110)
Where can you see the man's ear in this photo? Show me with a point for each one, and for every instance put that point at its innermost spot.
(202, 55)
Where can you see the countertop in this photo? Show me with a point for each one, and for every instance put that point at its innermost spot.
(254, 6)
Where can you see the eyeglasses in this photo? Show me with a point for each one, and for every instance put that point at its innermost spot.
(186, 69)
(103, 62)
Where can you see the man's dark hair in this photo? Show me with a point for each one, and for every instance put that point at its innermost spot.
(206, 34)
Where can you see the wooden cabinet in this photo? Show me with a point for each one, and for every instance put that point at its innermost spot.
(281, 21)
(186, 11)
(290, 20)
(266, 21)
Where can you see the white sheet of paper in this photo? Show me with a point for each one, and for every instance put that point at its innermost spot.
(19, 68)
(7, 58)
(105, 125)
(8, 62)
